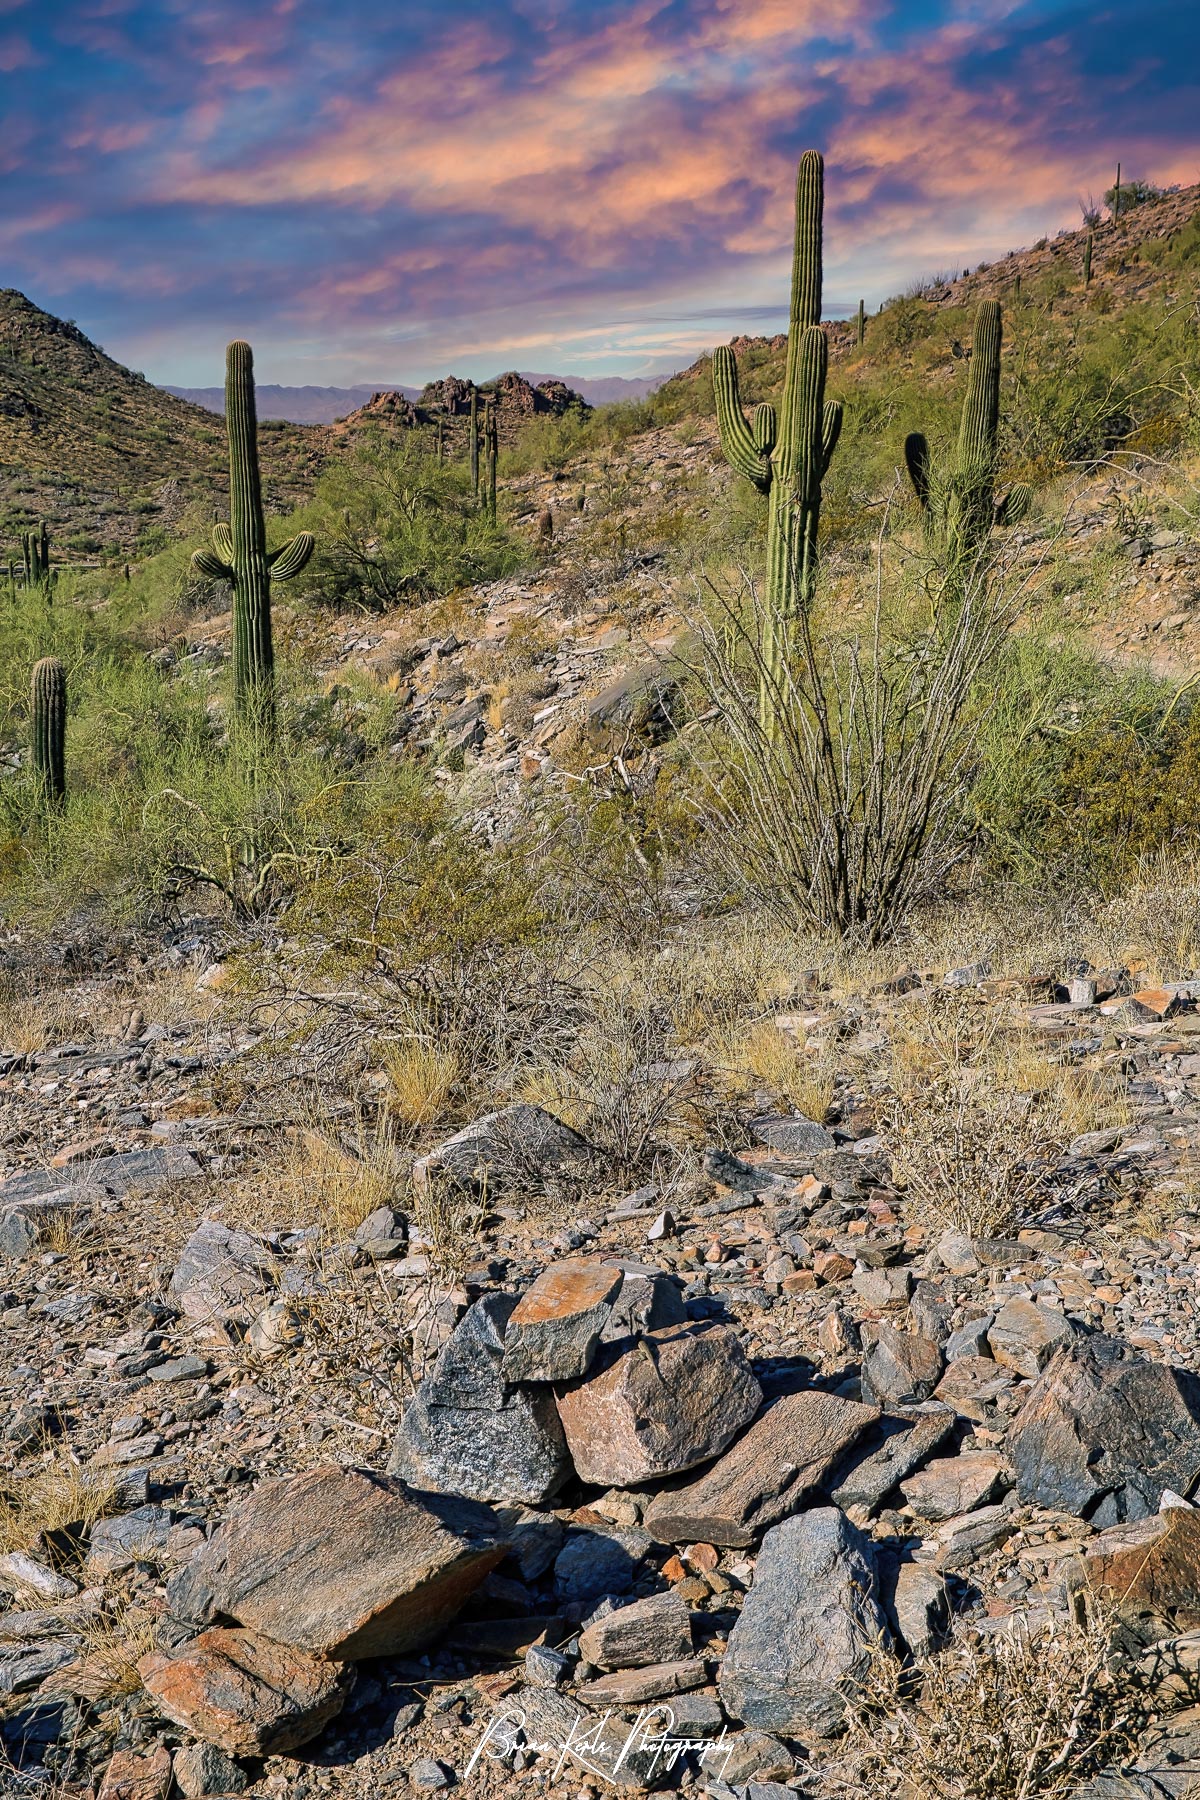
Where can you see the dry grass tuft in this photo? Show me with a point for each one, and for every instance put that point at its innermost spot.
(63, 1494)
(316, 1181)
(972, 1148)
(421, 1079)
(1010, 1716)
(800, 1073)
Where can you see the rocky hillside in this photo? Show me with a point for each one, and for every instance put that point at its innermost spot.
(101, 453)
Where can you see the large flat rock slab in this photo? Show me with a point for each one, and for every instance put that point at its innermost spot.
(343, 1562)
(789, 1451)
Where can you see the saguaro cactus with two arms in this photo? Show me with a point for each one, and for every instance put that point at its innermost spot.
(786, 457)
(239, 554)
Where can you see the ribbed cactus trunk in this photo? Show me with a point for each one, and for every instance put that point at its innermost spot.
(48, 717)
(240, 556)
(959, 503)
(787, 459)
(253, 649)
(473, 427)
(1087, 259)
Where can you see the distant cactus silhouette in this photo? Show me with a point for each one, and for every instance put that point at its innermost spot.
(491, 447)
(862, 324)
(239, 554)
(786, 457)
(48, 717)
(473, 428)
(960, 504)
(1087, 259)
(35, 555)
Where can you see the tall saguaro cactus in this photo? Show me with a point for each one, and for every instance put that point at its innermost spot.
(960, 503)
(239, 554)
(786, 457)
(473, 428)
(48, 716)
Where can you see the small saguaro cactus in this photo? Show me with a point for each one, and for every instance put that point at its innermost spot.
(1087, 259)
(786, 457)
(473, 428)
(239, 554)
(491, 447)
(48, 716)
(862, 324)
(35, 550)
(960, 503)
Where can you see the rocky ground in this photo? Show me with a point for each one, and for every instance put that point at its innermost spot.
(303, 1500)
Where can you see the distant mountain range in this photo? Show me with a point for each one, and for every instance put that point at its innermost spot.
(321, 405)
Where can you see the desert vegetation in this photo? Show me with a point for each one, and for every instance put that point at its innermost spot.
(759, 823)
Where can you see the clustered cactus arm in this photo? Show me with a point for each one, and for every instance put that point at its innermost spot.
(48, 716)
(239, 550)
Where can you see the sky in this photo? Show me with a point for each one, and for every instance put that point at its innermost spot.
(389, 190)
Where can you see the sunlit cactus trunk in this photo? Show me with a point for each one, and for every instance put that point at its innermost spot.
(240, 556)
(787, 459)
(48, 719)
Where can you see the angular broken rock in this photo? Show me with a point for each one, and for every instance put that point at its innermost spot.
(133, 1777)
(220, 1273)
(658, 1404)
(900, 1368)
(654, 1681)
(919, 1605)
(956, 1484)
(805, 1636)
(1104, 1432)
(340, 1561)
(657, 1629)
(521, 1147)
(1148, 1572)
(647, 1300)
(1024, 1336)
(907, 1442)
(788, 1452)
(467, 1430)
(244, 1693)
(554, 1330)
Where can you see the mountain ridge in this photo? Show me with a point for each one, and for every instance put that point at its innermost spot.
(314, 405)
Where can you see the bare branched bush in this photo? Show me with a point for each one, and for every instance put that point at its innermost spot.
(1019, 1713)
(972, 1147)
(837, 789)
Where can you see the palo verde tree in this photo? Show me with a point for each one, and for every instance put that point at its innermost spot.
(786, 455)
(240, 556)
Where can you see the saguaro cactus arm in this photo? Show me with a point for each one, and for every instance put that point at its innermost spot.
(209, 564)
(291, 557)
(744, 450)
(831, 431)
